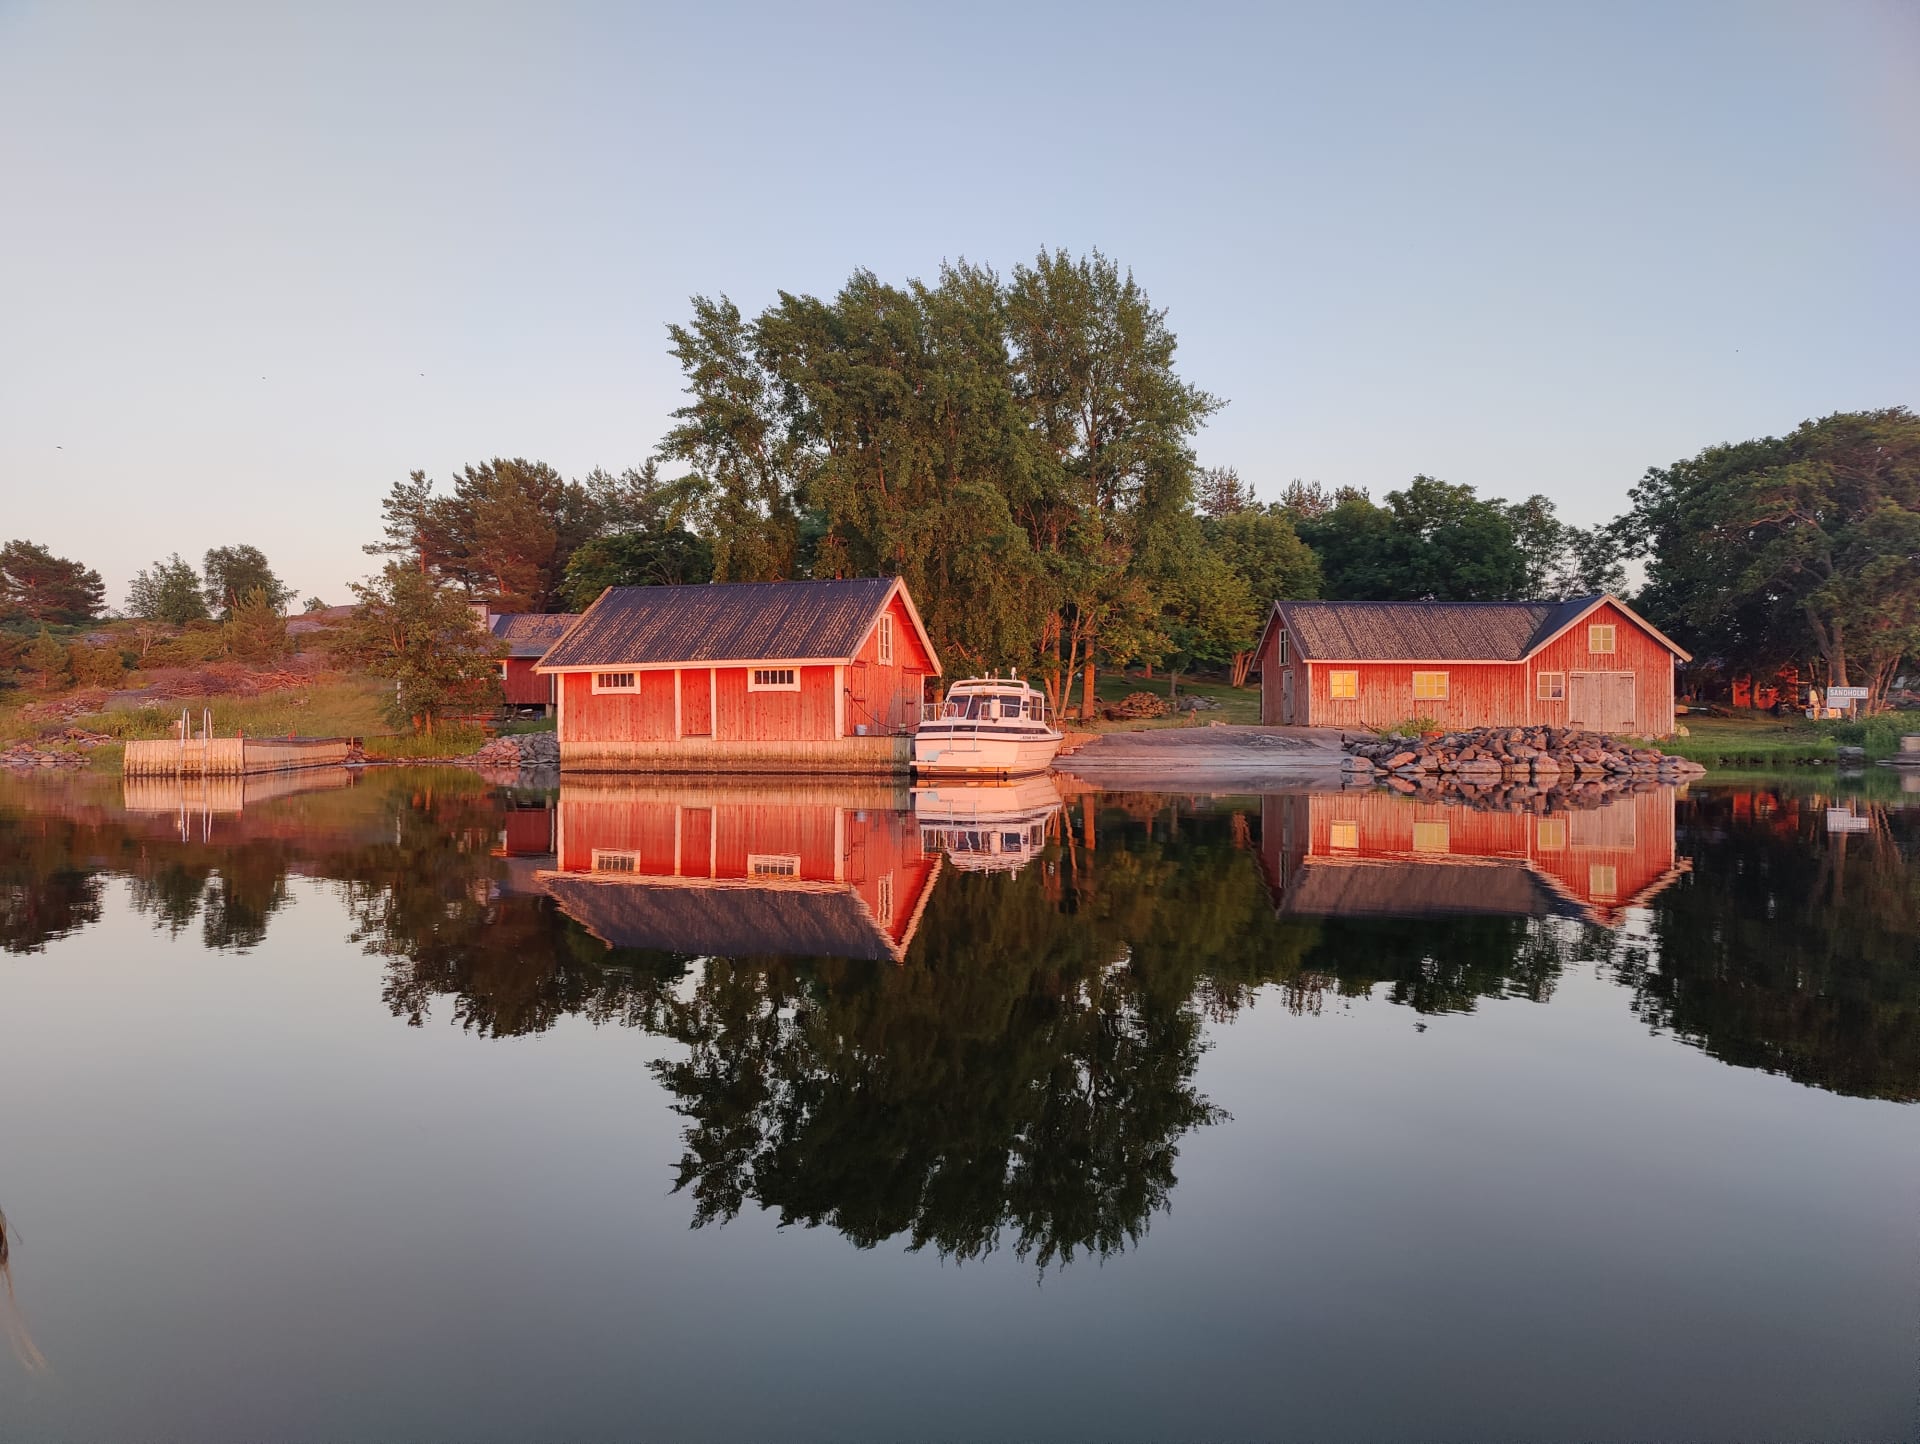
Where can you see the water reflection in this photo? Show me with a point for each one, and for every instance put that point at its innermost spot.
(889, 1000)
(12, 1324)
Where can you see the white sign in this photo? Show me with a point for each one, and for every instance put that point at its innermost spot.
(1840, 696)
(1839, 819)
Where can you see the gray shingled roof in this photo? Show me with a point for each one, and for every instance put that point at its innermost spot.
(1426, 631)
(723, 622)
(529, 634)
(727, 922)
(1364, 888)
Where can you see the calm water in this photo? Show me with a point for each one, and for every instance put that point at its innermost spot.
(431, 1108)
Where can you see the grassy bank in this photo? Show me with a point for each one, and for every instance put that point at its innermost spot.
(1756, 740)
(1238, 705)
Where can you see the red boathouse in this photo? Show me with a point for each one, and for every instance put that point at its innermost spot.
(1589, 662)
(777, 870)
(528, 635)
(823, 676)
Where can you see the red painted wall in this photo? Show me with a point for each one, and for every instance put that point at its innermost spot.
(1479, 694)
(525, 687)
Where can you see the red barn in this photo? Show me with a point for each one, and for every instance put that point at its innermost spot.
(1590, 662)
(1367, 853)
(821, 676)
(528, 635)
(743, 871)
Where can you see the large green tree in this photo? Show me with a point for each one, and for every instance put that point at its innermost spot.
(232, 573)
(420, 633)
(1432, 540)
(36, 584)
(1260, 546)
(168, 591)
(1782, 548)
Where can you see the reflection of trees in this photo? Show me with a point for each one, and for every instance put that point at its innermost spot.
(1789, 949)
(1446, 968)
(46, 890)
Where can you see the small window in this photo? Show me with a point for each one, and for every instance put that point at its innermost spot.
(1280, 647)
(1600, 637)
(1551, 687)
(774, 679)
(614, 681)
(1431, 837)
(608, 861)
(1552, 836)
(1343, 685)
(886, 640)
(1343, 835)
(885, 892)
(1602, 880)
(1429, 686)
(772, 865)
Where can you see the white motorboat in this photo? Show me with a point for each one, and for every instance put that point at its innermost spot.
(987, 727)
(986, 826)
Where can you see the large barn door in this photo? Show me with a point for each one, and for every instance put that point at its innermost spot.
(1602, 701)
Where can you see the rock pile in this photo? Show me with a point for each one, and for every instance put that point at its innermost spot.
(23, 755)
(524, 749)
(1513, 758)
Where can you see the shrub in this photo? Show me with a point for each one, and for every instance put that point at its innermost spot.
(1413, 727)
(46, 659)
(96, 666)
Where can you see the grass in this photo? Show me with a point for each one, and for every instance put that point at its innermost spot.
(1754, 739)
(450, 739)
(520, 726)
(1238, 705)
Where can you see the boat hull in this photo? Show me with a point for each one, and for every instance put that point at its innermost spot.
(955, 752)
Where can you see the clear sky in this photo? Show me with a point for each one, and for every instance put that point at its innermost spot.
(258, 261)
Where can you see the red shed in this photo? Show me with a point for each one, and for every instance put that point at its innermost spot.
(528, 635)
(820, 676)
(743, 871)
(1589, 662)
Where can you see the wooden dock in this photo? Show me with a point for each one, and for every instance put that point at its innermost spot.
(231, 756)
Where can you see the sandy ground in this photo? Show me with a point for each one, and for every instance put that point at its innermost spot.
(1213, 758)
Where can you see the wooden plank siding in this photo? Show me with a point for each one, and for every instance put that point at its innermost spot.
(525, 687)
(1479, 693)
(731, 838)
(1598, 861)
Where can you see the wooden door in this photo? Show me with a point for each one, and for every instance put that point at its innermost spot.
(1602, 701)
(1286, 697)
(696, 702)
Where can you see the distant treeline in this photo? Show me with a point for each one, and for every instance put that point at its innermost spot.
(1020, 449)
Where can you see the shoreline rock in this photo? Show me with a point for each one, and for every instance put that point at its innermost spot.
(1515, 764)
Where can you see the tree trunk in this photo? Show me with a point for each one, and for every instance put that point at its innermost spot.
(1086, 687)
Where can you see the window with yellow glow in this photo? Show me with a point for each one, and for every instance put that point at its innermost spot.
(1431, 837)
(1552, 686)
(1343, 684)
(1600, 638)
(1429, 686)
(1601, 880)
(1552, 836)
(1343, 835)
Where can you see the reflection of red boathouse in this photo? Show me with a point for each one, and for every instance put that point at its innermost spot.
(1376, 854)
(773, 871)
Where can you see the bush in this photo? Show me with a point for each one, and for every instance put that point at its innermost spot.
(46, 659)
(97, 666)
(1880, 735)
(1413, 727)
(189, 649)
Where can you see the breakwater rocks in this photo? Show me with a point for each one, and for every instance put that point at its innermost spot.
(524, 749)
(1513, 760)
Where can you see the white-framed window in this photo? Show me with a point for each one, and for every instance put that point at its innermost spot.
(773, 679)
(1600, 637)
(1552, 836)
(1343, 686)
(1429, 686)
(772, 864)
(609, 860)
(886, 639)
(1344, 835)
(1280, 647)
(1603, 881)
(885, 891)
(615, 681)
(1432, 837)
(1551, 687)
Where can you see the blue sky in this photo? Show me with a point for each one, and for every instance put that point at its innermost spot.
(256, 266)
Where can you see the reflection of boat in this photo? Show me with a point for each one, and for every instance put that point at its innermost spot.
(1374, 854)
(987, 827)
(742, 872)
(987, 727)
